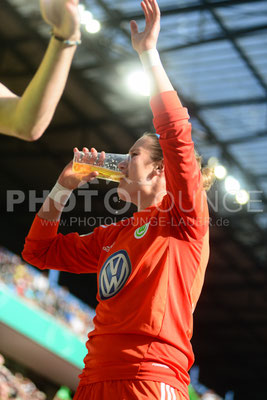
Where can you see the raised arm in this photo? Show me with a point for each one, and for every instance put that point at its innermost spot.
(28, 116)
(145, 44)
(184, 182)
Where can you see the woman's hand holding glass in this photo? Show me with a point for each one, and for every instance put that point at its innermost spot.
(71, 179)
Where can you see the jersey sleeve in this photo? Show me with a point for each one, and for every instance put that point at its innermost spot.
(47, 249)
(186, 197)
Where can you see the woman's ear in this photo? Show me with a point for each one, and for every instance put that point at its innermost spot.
(159, 167)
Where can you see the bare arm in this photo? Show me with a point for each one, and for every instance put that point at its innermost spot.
(28, 116)
(147, 40)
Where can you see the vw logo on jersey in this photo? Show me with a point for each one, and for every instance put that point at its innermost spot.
(114, 274)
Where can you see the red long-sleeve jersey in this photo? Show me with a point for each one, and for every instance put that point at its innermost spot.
(150, 268)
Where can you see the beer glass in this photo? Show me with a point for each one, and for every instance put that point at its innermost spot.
(107, 168)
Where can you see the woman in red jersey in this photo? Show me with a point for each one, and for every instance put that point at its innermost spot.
(150, 268)
(28, 116)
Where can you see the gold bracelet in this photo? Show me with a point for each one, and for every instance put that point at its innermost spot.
(66, 41)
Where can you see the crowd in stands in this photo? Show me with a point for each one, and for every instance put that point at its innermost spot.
(16, 386)
(13, 385)
(33, 286)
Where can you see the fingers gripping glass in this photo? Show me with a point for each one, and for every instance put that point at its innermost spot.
(106, 164)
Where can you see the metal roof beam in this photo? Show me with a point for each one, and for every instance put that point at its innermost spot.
(232, 103)
(247, 138)
(219, 37)
(194, 111)
(166, 11)
(230, 35)
(233, 33)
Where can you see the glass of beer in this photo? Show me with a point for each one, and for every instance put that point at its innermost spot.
(107, 168)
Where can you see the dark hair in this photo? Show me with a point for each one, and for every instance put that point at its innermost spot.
(157, 155)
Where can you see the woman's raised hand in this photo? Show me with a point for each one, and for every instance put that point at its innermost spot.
(142, 41)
